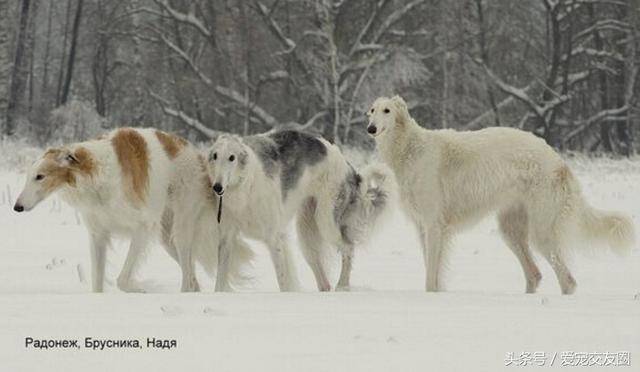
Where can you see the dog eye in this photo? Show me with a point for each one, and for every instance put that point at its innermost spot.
(39, 177)
(386, 111)
(232, 158)
(215, 155)
(372, 111)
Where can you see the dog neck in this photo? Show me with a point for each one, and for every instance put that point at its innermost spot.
(85, 192)
(394, 144)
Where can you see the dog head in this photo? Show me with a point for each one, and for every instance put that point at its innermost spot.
(387, 114)
(227, 159)
(57, 168)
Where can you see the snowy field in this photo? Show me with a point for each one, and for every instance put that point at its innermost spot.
(387, 323)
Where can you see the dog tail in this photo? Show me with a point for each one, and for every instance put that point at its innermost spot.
(613, 228)
(377, 191)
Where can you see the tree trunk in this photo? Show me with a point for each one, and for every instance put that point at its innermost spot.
(622, 129)
(72, 54)
(31, 48)
(626, 80)
(445, 42)
(99, 75)
(603, 92)
(19, 70)
(5, 59)
(246, 39)
(484, 53)
(44, 89)
(139, 108)
(63, 58)
(556, 55)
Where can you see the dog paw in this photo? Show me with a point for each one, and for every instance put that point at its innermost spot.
(190, 286)
(343, 288)
(130, 287)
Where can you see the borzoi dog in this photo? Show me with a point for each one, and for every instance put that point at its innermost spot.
(125, 184)
(264, 181)
(449, 180)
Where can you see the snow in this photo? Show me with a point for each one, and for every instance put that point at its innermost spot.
(386, 323)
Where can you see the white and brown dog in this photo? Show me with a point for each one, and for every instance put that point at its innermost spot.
(127, 184)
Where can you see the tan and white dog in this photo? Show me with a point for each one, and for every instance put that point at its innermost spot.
(128, 184)
(449, 180)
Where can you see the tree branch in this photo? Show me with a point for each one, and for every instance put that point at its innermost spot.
(189, 19)
(393, 18)
(183, 117)
(367, 27)
(602, 115)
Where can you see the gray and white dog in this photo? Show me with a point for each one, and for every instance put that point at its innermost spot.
(265, 181)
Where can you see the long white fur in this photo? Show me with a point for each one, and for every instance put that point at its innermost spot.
(195, 232)
(449, 180)
(253, 206)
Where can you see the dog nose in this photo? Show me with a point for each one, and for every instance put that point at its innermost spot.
(372, 129)
(217, 187)
(18, 208)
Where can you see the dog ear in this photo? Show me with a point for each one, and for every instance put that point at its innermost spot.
(402, 111)
(63, 156)
(214, 138)
(71, 158)
(67, 158)
(242, 157)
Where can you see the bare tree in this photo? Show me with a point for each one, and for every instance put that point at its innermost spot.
(484, 56)
(63, 48)
(30, 52)
(19, 71)
(46, 57)
(5, 59)
(565, 70)
(72, 53)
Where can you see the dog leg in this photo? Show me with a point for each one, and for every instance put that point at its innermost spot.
(224, 255)
(567, 282)
(514, 227)
(548, 243)
(312, 242)
(436, 242)
(345, 272)
(136, 251)
(166, 225)
(187, 265)
(279, 250)
(99, 243)
(185, 230)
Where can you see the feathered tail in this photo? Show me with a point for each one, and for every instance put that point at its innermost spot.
(377, 191)
(616, 229)
(597, 226)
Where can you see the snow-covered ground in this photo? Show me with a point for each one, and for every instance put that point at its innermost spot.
(387, 323)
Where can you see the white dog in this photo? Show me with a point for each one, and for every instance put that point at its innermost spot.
(449, 180)
(267, 179)
(125, 184)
